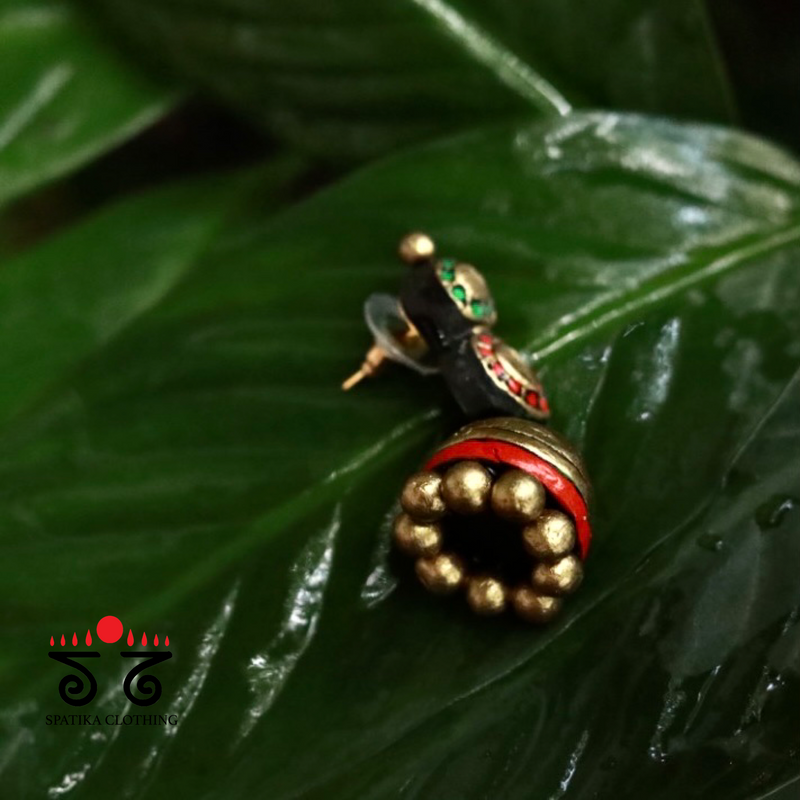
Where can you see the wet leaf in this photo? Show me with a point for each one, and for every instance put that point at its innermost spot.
(66, 95)
(174, 432)
(352, 79)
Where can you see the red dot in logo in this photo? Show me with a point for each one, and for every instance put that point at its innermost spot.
(109, 629)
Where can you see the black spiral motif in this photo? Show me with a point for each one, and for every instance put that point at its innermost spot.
(148, 684)
(72, 684)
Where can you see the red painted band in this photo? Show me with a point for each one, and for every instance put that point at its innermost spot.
(554, 481)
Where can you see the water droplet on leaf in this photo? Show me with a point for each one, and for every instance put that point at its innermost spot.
(710, 541)
(772, 513)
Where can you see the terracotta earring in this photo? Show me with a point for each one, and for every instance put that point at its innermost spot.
(500, 509)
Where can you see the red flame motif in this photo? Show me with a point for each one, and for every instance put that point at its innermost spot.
(166, 641)
(155, 640)
(89, 639)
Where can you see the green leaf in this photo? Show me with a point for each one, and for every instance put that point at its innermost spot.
(175, 450)
(66, 96)
(352, 79)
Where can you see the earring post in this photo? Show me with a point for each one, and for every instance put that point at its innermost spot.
(372, 362)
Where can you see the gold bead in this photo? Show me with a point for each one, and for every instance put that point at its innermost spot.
(417, 539)
(517, 496)
(561, 577)
(422, 498)
(442, 574)
(466, 487)
(551, 536)
(486, 596)
(416, 247)
(534, 607)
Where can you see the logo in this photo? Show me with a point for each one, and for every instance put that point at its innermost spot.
(73, 687)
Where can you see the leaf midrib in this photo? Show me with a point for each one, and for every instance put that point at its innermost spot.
(509, 68)
(628, 303)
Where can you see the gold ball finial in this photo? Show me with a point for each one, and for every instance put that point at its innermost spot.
(416, 247)
(534, 607)
(518, 497)
(422, 496)
(417, 539)
(466, 487)
(562, 577)
(551, 536)
(442, 574)
(486, 596)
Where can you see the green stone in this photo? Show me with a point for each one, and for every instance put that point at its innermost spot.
(478, 308)
(460, 293)
(448, 274)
